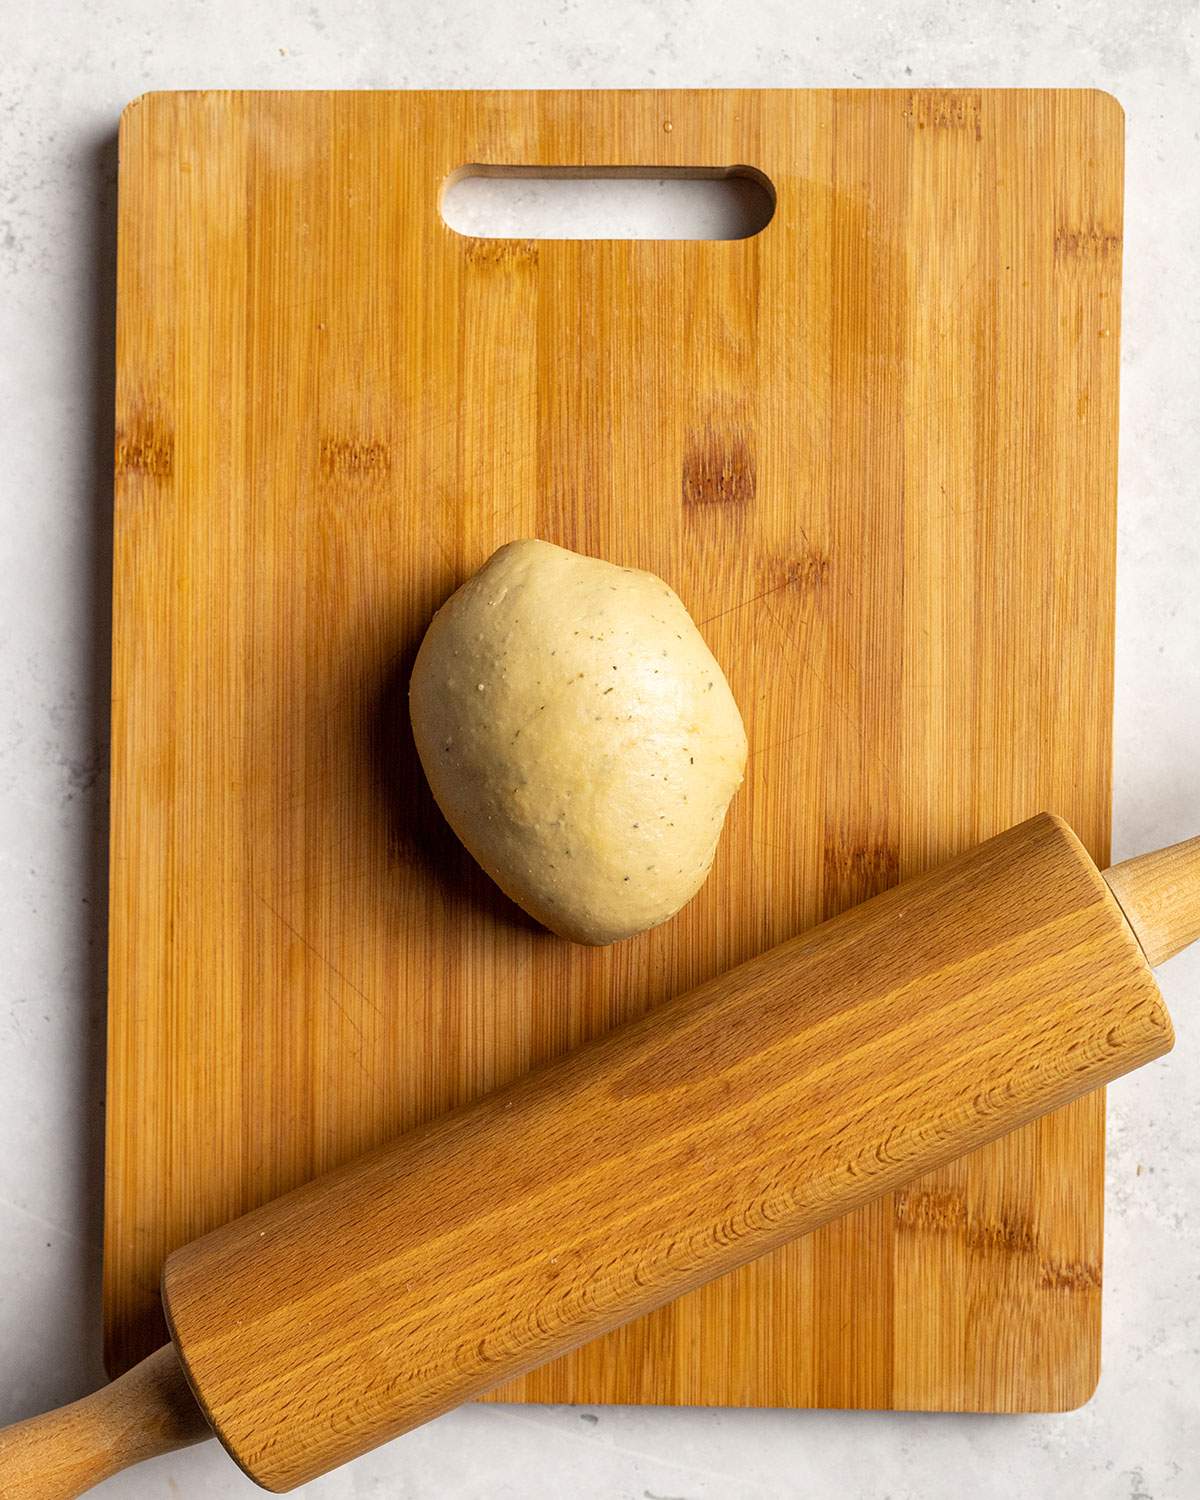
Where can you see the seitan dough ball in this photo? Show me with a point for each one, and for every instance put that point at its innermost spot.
(579, 736)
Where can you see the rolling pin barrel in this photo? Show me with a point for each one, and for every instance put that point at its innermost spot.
(870, 1050)
(890, 1040)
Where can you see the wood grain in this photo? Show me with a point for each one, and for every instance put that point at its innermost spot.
(873, 448)
(150, 1410)
(775, 1097)
(1160, 896)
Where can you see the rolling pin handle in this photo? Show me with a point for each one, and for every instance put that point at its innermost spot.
(150, 1410)
(1159, 894)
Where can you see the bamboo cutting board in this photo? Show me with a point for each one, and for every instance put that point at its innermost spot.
(872, 447)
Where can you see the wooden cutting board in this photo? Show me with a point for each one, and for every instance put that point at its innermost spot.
(872, 447)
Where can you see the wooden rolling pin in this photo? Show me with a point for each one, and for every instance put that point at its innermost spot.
(783, 1093)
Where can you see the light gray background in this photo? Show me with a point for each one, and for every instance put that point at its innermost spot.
(66, 70)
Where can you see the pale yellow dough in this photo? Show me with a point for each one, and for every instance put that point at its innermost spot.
(580, 738)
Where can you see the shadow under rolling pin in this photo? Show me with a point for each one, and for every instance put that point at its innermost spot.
(794, 1088)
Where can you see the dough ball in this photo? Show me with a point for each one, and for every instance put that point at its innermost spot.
(579, 736)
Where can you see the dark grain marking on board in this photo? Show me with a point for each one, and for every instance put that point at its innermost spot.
(1070, 1276)
(355, 456)
(936, 1211)
(1086, 242)
(805, 573)
(502, 253)
(144, 450)
(1011, 1234)
(944, 109)
(863, 867)
(944, 1211)
(718, 467)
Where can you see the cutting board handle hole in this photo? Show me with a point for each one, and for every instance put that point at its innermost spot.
(607, 203)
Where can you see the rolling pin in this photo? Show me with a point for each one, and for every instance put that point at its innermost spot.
(787, 1091)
